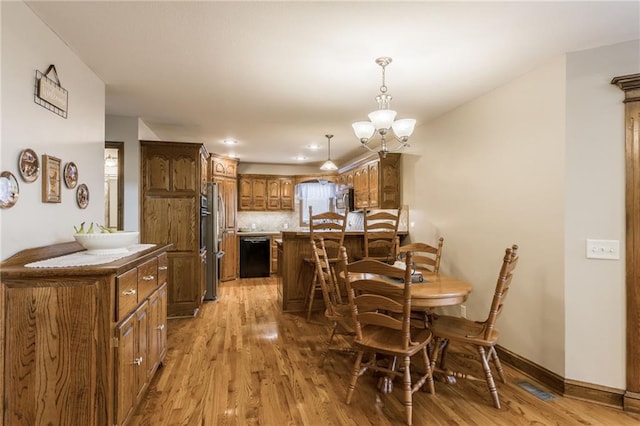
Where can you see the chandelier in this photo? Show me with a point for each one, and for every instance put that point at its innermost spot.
(382, 120)
(329, 165)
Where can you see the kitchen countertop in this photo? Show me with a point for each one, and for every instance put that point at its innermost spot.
(257, 233)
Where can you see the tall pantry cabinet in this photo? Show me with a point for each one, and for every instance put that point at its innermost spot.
(224, 173)
(172, 183)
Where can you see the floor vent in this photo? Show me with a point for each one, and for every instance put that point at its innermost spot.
(536, 391)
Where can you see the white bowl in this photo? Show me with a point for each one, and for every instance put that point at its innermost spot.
(107, 243)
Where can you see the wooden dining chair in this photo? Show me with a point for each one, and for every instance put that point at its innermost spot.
(426, 258)
(329, 227)
(482, 335)
(380, 235)
(337, 309)
(378, 331)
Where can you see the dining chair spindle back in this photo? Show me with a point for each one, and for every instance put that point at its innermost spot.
(481, 335)
(382, 326)
(380, 235)
(337, 309)
(330, 227)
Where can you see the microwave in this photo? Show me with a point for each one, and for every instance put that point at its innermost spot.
(345, 199)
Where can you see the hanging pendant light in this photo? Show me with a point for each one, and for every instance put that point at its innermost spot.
(329, 165)
(383, 119)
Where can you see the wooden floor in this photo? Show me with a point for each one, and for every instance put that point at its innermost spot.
(242, 362)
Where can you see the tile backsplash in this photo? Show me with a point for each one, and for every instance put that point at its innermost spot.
(287, 220)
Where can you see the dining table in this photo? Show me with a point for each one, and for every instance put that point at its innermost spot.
(435, 290)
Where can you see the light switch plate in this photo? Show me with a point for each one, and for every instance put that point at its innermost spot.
(603, 249)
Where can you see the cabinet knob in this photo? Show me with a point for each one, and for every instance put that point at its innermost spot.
(162, 268)
(148, 277)
(137, 361)
(160, 327)
(129, 292)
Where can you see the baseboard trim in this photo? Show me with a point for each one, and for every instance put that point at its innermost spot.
(632, 402)
(554, 381)
(589, 392)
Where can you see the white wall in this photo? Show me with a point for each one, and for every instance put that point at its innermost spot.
(490, 174)
(595, 208)
(27, 45)
(277, 169)
(538, 161)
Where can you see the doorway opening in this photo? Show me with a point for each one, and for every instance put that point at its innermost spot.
(114, 185)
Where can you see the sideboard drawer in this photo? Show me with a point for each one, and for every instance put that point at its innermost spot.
(147, 278)
(163, 266)
(126, 293)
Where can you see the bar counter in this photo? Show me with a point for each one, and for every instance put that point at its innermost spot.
(295, 275)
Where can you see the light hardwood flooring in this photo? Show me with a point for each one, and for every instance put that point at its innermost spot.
(243, 362)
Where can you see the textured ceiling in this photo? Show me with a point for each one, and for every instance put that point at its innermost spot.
(278, 76)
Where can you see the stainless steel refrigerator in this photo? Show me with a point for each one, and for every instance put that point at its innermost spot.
(214, 228)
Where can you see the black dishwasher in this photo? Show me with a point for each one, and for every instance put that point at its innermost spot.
(254, 257)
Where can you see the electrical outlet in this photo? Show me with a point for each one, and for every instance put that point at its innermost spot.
(463, 311)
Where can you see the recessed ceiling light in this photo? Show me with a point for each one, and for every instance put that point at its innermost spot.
(300, 157)
(314, 146)
(229, 142)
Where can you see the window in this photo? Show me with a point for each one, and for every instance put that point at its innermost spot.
(320, 196)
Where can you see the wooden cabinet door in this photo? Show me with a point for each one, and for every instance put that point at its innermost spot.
(229, 262)
(389, 182)
(125, 365)
(373, 185)
(286, 194)
(228, 191)
(245, 190)
(142, 350)
(157, 331)
(259, 193)
(273, 194)
(204, 170)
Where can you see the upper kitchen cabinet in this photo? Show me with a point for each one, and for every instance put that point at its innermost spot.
(253, 192)
(171, 178)
(223, 166)
(376, 183)
(204, 170)
(280, 193)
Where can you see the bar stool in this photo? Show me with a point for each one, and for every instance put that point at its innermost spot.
(330, 227)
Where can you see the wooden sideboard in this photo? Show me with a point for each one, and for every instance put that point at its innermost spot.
(80, 344)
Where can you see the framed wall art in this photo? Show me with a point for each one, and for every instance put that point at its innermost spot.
(71, 175)
(82, 196)
(51, 179)
(9, 190)
(29, 165)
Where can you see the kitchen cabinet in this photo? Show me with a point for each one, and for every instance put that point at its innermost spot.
(280, 194)
(274, 255)
(223, 166)
(204, 170)
(266, 192)
(376, 183)
(252, 192)
(171, 179)
(223, 172)
(78, 342)
(230, 261)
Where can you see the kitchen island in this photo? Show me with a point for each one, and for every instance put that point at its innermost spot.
(295, 275)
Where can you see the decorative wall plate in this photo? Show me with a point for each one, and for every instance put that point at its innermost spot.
(82, 196)
(9, 190)
(70, 175)
(29, 165)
